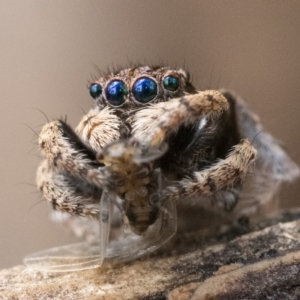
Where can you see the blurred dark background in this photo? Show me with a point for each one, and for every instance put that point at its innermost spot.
(49, 50)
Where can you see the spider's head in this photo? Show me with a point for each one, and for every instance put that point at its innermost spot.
(136, 87)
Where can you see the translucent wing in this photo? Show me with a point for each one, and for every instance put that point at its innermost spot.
(104, 223)
(83, 256)
(130, 150)
(127, 246)
(133, 246)
(74, 257)
(149, 154)
(79, 256)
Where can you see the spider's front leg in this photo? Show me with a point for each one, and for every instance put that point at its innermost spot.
(221, 176)
(155, 124)
(215, 136)
(66, 193)
(69, 178)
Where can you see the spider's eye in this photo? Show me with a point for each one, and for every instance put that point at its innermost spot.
(116, 92)
(144, 90)
(171, 83)
(95, 90)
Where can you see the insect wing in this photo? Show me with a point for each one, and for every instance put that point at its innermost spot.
(134, 246)
(83, 256)
(138, 152)
(104, 223)
(80, 256)
(149, 154)
(74, 257)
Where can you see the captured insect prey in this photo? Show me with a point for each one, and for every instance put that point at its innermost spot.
(152, 148)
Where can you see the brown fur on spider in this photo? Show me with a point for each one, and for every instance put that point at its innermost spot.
(152, 140)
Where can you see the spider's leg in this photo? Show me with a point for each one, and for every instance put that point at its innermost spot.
(68, 194)
(205, 125)
(155, 123)
(272, 159)
(220, 176)
(67, 153)
(259, 193)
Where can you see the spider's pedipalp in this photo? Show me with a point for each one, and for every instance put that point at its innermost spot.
(219, 176)
(66, 194)
(98, 128)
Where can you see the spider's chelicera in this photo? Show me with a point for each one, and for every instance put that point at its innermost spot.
(153, 141)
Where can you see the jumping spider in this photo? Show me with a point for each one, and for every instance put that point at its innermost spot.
(153, 141)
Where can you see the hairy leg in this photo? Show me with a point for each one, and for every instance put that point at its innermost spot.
(70, 178)
(67, 194)
(272, 159)
(220, 176)
(217, 132)
(259, 193)
(67, 153)
(154, 124)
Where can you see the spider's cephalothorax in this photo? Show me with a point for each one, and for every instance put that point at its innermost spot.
(153, 139)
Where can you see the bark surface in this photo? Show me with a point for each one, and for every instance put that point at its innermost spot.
(243, 262)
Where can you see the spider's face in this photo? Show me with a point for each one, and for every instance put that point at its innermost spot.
(136, 87)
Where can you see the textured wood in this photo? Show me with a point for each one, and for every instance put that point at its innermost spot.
(244, 262)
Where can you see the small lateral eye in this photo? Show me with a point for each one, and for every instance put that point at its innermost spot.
(95, 90)
(171, 83)
(144, 90)
(116, 91)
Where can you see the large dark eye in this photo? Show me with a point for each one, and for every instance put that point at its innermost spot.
(116, 92)
(144, 90)
(95, 90)
(171, 83)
